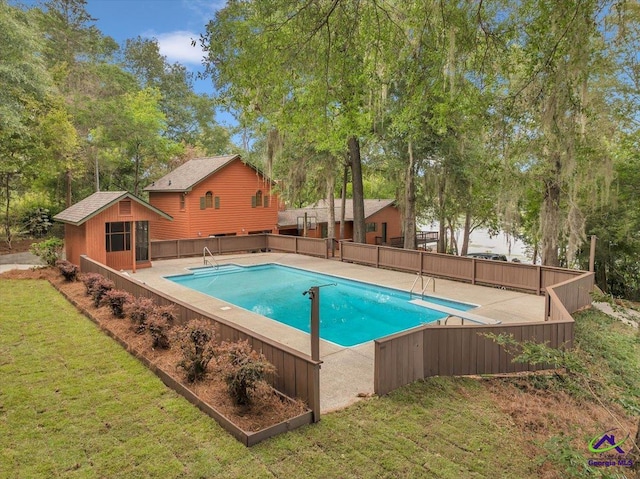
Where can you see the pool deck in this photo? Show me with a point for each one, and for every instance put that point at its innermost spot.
(347, 372)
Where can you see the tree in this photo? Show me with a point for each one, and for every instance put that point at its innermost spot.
(24, 101)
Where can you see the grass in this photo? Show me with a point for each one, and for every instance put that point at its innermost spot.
(73, 403)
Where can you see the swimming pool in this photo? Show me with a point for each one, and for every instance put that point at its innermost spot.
(351, 312)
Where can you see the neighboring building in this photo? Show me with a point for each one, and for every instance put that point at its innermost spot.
(217, 196)
(112, 227)
(383, 221)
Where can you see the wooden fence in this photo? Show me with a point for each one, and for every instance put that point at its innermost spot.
(441, 350)
(297, 375)
(518, 276)
(180, 248)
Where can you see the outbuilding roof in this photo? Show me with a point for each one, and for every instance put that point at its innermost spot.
(320, 211)
(189, 174)
(92, 205)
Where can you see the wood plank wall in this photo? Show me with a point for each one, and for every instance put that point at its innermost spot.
(442, 350)
(297, 375)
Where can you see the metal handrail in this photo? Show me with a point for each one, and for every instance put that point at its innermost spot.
(205, 261)
(423, 287)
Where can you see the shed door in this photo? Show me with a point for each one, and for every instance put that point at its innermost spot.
(142, 241)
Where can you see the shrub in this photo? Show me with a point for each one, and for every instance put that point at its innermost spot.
(242, 368)
(99, 289)
(68, 270)
(139, 310)
(197, 341)
(158, 327)
(116, 299)
(167, 312)
(48, 250)
(37, 221)
(88, 279)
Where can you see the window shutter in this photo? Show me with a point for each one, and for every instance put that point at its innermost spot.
(217, 200)
(202, 202)
(266, 201)
(253, 201)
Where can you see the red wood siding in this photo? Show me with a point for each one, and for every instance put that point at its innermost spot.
(234, 185)
(90, 239)
(390, 215)
(75, 244)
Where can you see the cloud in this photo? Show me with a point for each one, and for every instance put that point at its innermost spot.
(177, 47)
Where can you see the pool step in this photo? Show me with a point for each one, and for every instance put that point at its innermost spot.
(476, 318)
(222, 269)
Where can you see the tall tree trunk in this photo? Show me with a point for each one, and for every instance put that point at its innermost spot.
(466, 233)
(7, 221)
(442, 220)
(343, 199)
(136, 180)
(409, 227)
(359, 234)
(67, 181)
(550, 220)
(331, 224)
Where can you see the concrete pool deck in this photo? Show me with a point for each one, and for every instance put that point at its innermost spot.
(347, 372)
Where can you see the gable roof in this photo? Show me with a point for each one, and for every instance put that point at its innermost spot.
(320, 211)
(189, 174)
(92, 205)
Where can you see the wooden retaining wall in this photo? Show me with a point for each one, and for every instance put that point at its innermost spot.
(442, 350)
(297, 375)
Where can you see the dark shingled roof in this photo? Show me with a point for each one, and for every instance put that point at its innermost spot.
(96, 203)
(320, 211)
(189, 174)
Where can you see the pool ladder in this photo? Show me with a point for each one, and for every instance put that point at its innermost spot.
(212, 261)
(423, 286)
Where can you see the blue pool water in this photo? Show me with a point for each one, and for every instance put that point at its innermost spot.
(351, 312)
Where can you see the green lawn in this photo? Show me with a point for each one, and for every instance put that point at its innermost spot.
(73, 403)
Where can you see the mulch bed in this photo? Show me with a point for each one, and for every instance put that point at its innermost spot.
(267, 407)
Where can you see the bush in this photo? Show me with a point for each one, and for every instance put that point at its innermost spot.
(197, 341)
(68, 270)
(99, 289)
(242, 368)
(167, 312)
(139, 310)
(37, 222)
(88, 279)
(158, 327)
(116, 299)
(49, 250)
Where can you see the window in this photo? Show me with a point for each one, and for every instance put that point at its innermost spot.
(257, 201)
(208, 200)
(370, 227)
(182, 202)
(118, 236)
(217, 202)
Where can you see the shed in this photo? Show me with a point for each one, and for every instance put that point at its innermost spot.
(111, 227)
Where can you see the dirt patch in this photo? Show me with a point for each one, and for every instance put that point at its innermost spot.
(17, 246)
(267, 408)
(543, 413)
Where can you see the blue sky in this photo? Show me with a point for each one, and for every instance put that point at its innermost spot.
(174, 23)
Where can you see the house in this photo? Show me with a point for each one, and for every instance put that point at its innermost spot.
(215, 196)
(383, 221)
(112, 227)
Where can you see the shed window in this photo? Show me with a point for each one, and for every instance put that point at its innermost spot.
(118, 236)
(370, 227)
(208, 200)
(259, 198)
(182, 202)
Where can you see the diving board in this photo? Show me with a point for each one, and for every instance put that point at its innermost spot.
(476, 318)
